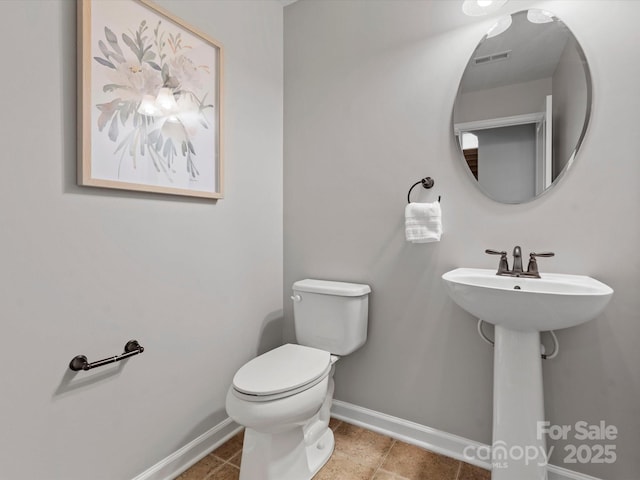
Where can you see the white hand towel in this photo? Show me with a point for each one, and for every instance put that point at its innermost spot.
(423, 222)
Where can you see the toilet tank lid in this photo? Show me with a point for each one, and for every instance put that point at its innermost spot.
(327, 287)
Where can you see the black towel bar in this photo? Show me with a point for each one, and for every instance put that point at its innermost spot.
(80, 362)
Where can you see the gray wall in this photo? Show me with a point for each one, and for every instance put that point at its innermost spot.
(369, 89)
(84, 270)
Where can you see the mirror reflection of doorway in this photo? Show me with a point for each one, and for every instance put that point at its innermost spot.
(507, 162)
(469, 144)
(510, 157)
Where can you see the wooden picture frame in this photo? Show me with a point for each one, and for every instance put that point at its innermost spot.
(150, 101)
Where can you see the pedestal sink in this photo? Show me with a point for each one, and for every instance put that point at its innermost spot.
(520, 308)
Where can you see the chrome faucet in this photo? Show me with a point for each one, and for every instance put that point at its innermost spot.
(517, 271)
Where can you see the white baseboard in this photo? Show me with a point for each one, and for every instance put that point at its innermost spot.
(429, 438)
(559, 473)
(180, 460)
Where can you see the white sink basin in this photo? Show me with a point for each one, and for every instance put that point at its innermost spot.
(520, 308)
(552, 302)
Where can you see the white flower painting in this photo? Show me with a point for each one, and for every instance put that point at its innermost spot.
(152, 106)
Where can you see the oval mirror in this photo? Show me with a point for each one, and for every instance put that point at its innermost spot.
(523, 106)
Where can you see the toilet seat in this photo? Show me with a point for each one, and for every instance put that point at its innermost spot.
(281, 372)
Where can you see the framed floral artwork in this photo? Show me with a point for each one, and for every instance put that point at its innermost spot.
(150, 101)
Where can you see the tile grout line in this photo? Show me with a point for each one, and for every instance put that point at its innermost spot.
(375, 472)
(212, 472)
(220, 467)
(459, 470)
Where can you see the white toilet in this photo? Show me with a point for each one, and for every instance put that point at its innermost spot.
(283, 397)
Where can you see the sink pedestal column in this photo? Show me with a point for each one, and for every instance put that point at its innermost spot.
(518, 452)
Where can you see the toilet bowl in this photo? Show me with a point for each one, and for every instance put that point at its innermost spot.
(283, 397)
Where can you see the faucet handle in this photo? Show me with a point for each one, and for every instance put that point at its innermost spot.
(543, 254)
(503, 266)
(532, 268)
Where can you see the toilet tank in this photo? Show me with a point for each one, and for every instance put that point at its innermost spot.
(331, 316)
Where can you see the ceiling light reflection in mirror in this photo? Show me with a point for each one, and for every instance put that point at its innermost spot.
(477, 8)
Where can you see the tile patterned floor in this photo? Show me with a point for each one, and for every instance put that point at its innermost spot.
(359, 455)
